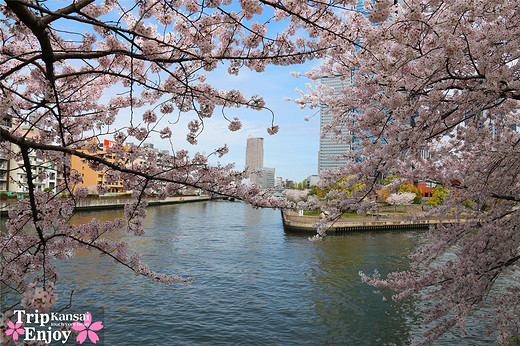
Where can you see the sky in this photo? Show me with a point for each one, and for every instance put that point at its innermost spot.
(293, 151)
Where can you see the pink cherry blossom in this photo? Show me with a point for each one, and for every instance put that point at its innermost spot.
(272, 130)
(14, 329)
(235, 125)
(87, 328)
(430, 92)
(296, 195)
(149, 116)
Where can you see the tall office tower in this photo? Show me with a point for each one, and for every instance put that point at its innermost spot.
(254, 156)
(331, 149)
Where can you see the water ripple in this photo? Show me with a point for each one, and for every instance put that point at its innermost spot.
(255, 285)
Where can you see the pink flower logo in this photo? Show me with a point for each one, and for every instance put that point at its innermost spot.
(87, 329)
(14, 329)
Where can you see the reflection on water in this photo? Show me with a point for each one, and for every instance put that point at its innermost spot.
(339, 296)
(254, 283)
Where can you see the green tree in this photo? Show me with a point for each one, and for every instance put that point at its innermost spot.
(409, 187)
(322, 192)
(438, 196)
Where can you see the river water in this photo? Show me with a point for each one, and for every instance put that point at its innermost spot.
(254, 283)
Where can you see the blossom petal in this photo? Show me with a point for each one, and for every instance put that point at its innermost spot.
(96, 326)
(20, 331)
(15, 336)
(92, 336)
(88, 319)
(9, 331)
(78, 326)
(82, 336)
(18, 325)
(10, 324)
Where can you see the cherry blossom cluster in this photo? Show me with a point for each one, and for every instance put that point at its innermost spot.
(295, 195)
(235, 124)
(403, 198)
(39, 298)
(431, 94)
(69, 71)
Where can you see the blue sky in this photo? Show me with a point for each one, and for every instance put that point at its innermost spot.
(293, 151)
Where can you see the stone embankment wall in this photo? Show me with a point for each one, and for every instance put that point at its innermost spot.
(294, 222)
(88, 204)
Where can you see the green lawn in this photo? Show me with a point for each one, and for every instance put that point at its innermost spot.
(316, 213)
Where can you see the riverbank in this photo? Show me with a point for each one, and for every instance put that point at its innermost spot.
(100, 203)
(292, 221)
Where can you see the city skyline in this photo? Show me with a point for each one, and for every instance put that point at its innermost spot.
(293, 151)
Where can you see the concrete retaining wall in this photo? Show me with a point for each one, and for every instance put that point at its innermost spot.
(88, 204)
(293, 222)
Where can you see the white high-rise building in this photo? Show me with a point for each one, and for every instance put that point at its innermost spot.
(18, 176)
(254, 156)
(330, 149)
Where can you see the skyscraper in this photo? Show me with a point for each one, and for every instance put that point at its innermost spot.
(254, 155)
(335, 153)
(331, 149)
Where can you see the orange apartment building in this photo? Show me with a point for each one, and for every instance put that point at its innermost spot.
(91, 178)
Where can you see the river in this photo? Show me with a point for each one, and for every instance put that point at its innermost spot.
(254, 283)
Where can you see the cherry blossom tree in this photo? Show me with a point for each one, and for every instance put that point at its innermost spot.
(404, 198)
(431, 92)
(69, 71)
(296, 195)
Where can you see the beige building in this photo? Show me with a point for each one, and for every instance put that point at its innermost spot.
(254, 156)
